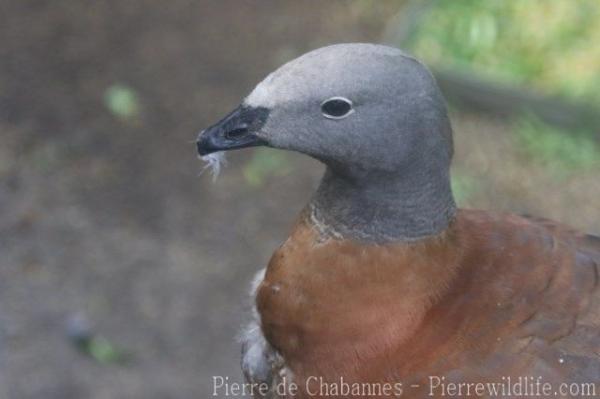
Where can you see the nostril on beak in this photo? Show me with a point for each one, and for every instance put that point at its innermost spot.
(239, 131)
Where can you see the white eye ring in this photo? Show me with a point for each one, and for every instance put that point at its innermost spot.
(337, 108)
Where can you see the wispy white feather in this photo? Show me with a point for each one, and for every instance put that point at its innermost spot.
(214, 162)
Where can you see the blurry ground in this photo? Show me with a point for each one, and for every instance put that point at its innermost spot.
(107, 217)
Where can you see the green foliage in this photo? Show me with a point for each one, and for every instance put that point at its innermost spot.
(551, 45)
(564, 151)
(100, 349)
(122, 101)
(103, 351)
(463, 187)
(265, 163)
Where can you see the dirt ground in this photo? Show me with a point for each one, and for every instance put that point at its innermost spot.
(106, 219)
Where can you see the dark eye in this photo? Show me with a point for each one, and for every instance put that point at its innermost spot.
(336, 108)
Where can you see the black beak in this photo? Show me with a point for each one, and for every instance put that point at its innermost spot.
(237, 130)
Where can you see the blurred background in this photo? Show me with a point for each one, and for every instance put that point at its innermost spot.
(124, 272)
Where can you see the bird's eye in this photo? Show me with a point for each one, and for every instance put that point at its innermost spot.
(336, 108)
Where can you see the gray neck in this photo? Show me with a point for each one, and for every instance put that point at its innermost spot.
(383, 209)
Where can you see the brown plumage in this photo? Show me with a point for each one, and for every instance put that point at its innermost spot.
(494, 295)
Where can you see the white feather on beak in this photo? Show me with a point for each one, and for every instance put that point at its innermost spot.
(214, 162)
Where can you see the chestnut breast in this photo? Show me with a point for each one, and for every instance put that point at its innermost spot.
(348, 302)
(490, 296)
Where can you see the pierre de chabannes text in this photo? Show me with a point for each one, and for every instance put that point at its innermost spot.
(524, 386)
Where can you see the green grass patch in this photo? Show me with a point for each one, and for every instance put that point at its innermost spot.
(122, 101)
(549, 45)
(264, 164)
(464, 187)
(565, 151)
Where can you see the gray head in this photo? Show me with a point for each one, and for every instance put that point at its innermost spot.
(376, 118)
